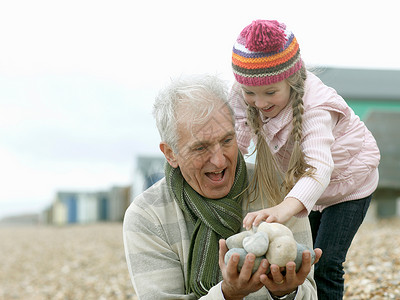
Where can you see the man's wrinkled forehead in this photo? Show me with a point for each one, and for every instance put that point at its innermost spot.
(206, 130)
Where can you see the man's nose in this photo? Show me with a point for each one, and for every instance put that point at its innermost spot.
(217, 156)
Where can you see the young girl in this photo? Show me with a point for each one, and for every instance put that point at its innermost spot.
(306, 132)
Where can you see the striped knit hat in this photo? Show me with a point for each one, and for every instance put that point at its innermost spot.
(264, 53)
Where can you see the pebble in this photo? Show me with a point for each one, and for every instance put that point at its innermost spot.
(236, 240)
(256, 243)
(242, 254)
(282, 250)
(274, 230)
(299, 257)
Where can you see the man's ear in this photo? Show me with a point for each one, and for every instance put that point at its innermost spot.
(169, 154)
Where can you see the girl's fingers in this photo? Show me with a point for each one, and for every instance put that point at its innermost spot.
(259, 219)
(271, 219)
(248, 221)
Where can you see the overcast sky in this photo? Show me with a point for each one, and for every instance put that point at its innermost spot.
(78, 78)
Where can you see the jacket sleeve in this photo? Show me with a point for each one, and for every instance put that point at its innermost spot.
(243, 130)
(317, 141)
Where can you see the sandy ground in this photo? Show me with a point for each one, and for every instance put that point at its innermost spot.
(373, 262)
(69, 263)
(87, 262)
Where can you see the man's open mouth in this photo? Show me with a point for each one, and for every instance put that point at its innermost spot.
(216, 176)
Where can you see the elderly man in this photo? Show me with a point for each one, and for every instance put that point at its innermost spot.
(175, 231)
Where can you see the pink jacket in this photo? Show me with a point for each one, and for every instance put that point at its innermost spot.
(335, 141)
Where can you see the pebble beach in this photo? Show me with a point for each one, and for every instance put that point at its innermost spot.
(88, 262)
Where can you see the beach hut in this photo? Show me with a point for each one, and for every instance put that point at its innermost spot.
(59, 212)
(119, 200)
(67, 202)
(87, 208)
(102, 205)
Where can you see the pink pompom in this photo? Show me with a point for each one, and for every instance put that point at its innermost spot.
(264, 36)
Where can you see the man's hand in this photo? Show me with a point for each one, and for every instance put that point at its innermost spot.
(238, 285)
(281, 284)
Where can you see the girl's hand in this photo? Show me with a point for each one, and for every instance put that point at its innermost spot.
(280, 213)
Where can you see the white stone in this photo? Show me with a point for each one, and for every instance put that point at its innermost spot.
(236, 240)
(274, 230)
(256, 243)
(282, 250)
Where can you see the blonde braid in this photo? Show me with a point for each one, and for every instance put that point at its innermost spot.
(298, 167)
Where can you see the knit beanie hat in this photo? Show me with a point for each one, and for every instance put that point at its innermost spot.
(264, 53)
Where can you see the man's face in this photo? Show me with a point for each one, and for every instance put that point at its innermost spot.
(208, 154)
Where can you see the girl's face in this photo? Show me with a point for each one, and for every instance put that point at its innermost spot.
(269, 99)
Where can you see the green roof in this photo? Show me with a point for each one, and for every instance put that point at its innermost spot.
(364, 108)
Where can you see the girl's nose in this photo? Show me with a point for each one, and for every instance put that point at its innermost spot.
(259, 102)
